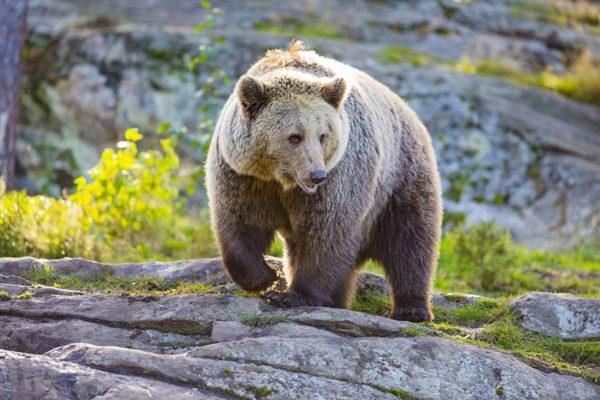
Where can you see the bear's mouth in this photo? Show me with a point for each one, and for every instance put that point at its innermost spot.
(308, 188)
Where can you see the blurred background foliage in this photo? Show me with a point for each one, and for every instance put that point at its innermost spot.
(136, 205)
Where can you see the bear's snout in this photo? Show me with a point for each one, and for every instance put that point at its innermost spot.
(318, 177)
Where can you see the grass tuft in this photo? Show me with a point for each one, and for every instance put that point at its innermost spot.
(313, 27)
(262, 320)
(24, 296)
(581, 82)
(405, 55)
(395, 392)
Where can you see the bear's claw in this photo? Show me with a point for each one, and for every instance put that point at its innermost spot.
(285, 299)
(412, 314)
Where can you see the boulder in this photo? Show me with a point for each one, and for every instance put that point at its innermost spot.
(561, 315)
(37, 377)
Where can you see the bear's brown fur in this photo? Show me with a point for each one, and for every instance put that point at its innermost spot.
(294, 117)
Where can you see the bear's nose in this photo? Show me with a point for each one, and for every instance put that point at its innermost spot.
(318, 177)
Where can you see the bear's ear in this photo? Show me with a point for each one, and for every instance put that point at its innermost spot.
(252, 95)
(334, 92)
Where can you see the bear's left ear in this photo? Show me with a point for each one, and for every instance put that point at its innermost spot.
(252, 95)
(334, 92)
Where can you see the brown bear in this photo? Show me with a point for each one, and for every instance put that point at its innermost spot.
(340, 167)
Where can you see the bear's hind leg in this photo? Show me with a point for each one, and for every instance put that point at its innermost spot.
(405, 241)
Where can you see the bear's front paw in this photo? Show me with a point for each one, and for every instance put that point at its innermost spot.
(412, 314)
(288, 299)
(258, 280)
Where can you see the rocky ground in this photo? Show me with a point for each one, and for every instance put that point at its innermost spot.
(525, 157)
(215, 342)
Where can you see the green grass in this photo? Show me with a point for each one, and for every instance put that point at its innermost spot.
(491, 324)
(405, 55)
(581, 82)
(109, 283)
(262, 321)
(580, 15)
(313, 27)
(483, 259)
(401, 394)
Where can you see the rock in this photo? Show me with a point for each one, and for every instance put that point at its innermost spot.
(562, 315)
(207, 270)
(14, 280)
(339, 367)
(37, 291)
(238, 379)
(40, 335)
(424, 367)
(228, 331)
(454, 300)
(25, 376)
(369, 284)
(194, 314)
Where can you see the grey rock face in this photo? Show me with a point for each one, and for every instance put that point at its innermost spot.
(562, 315)
(35, 377)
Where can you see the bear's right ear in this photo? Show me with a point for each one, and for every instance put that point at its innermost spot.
(252, 95)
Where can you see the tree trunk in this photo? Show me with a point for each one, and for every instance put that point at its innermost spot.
(12, 35)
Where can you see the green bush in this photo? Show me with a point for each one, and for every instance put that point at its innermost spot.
(130, 199)
(41, 226)
(483, 258)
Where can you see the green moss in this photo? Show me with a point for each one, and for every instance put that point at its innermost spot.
(412, 331)
(228, 371)
(262, 320)
(455, 297)
(405, 55)
(375, 304)
(259, 392)
(582, 82)
(500, 391)
(395, 392)
(473, 315)
(310, 26)
(580, 358)
(137, 286)
(4, 296)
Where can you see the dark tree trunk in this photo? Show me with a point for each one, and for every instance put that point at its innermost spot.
(12, 35)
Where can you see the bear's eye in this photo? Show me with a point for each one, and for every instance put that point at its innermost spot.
(322, 139)
(295, 139)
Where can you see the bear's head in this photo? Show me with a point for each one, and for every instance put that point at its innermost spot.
(295, 125)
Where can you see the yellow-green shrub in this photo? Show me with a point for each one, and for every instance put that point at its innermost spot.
(131, 198)
(41, 226)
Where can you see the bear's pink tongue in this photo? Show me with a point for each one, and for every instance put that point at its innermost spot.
(307, 188)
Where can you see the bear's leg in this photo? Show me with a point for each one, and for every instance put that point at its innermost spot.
(405, 241)
(242, 249)
(319, 275)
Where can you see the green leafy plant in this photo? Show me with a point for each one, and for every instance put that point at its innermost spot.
(131, 197)
(41, 226)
